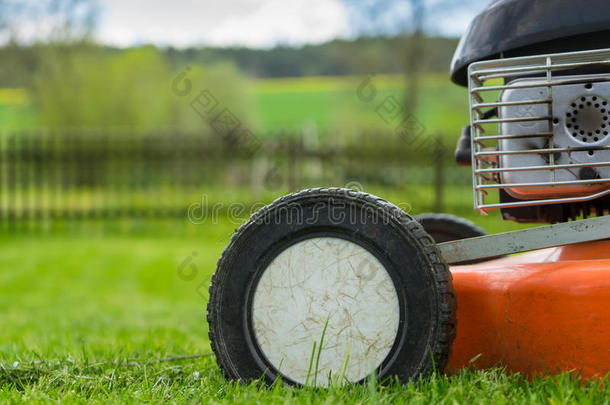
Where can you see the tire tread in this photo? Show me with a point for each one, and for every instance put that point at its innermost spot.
(442, 339)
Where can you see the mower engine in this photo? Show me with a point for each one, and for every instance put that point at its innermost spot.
(540, 135)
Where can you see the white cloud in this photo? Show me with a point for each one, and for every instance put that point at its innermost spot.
(254, 23)
(290, 22)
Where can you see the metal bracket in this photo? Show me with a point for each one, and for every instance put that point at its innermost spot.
(488, 246)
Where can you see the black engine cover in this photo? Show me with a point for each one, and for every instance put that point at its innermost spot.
(510, 28)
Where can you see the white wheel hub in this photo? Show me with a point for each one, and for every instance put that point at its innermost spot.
(332, 282)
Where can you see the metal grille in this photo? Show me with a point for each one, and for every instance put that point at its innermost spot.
(487, 82)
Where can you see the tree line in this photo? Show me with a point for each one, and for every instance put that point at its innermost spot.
(339, 57)
(335, 58)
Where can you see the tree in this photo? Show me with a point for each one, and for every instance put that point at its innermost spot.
(408, 18)
(55, 20)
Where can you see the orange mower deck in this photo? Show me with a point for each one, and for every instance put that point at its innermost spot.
(536, 313)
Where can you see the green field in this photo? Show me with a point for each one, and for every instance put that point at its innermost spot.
(329, 103)
(16, 109)
(333, 103)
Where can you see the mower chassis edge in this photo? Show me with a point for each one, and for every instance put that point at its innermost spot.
(500, 244)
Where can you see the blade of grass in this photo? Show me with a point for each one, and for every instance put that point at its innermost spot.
(315, 377)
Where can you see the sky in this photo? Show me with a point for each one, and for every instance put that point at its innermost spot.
(250, 23)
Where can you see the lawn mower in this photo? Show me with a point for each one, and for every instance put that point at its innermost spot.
(333, 285)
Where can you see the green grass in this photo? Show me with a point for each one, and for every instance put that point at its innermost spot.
(108, 319)
(104, 316)
(17, 116)
(199, 381)
(16, 109)
(329, 103)
(332, 103)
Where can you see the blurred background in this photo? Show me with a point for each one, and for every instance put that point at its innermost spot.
(136, 136)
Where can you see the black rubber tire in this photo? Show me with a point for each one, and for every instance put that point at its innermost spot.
(446, 228)
(419, 273)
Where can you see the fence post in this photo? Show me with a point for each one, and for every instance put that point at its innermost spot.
(439, 173)
(292, 162)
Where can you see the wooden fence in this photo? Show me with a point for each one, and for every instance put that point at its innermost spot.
(71, 175)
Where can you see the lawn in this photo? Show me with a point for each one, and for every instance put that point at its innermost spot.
(94, 315)
(108, 318)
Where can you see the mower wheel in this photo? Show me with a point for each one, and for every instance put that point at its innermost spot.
(446, 228)
(331, 285)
